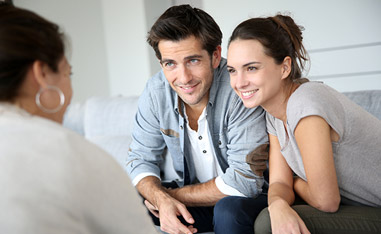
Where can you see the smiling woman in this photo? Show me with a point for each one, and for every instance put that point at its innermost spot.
(312, 130)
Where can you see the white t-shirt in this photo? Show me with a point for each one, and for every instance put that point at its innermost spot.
(54, 181)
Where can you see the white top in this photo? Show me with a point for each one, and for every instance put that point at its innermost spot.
(54, 181)
(204, 158)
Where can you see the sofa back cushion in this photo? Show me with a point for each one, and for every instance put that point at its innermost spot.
(370, 100)
(108, 123)
(110, 116)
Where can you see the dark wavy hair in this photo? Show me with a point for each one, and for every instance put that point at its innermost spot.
(181, 22)
(24, 38)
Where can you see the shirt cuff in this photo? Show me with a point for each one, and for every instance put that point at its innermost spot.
(226, 189)
(141, 176)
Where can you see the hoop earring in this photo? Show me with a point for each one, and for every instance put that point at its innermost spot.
(60, 94)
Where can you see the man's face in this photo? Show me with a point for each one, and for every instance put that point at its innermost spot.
(189, 69)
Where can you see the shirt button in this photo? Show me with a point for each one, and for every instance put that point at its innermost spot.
(181, 126)
(219, 142)
(200, 137)
(204, 151)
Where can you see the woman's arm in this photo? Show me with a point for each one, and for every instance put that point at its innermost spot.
(281, 195)
(314, 138)
(281, 176)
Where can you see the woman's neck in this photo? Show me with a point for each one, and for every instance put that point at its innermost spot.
(277, 106)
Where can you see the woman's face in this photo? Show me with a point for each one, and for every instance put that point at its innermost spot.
(254, 76)
(61, 80)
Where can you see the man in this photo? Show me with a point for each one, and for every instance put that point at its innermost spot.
(218, 147)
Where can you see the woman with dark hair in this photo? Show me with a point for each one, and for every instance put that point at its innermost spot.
(52, 180)
(328, 142)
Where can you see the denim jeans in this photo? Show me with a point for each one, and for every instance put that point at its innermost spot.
(236, 215)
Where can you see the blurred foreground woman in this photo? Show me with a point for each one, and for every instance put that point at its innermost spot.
(51, 179)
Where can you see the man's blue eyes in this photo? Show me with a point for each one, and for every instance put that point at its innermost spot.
(171, 64)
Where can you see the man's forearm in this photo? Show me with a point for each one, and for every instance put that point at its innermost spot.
(203, 194)
(151, 189)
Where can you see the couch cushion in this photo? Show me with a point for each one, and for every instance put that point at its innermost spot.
(73, 118)
(370, 100)
(108, 123)
(109, 116)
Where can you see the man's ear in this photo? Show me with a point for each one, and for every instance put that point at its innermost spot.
(39, 70)
(286, 67)
(216, 57)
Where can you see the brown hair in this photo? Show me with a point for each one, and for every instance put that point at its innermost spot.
(280, 36)
(24, 38)
(181, 22)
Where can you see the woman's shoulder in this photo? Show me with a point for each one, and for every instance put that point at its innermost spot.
(311, 89)
(312, 93)
(41, 136)
(312, 98)
(74, 145)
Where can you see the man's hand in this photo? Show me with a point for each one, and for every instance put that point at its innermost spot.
(169, 222)
(161, 204)
(152, 208)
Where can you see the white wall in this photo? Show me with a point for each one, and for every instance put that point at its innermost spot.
(127, 52)
(82, 22)
(328, 25)
(153, 10)
(111, 56)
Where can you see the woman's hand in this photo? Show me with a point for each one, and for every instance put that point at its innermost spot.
(284, 220)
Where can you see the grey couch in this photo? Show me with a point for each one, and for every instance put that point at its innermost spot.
(108, 122)
(370, 100)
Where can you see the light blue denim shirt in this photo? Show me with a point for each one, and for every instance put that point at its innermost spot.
(238, 134)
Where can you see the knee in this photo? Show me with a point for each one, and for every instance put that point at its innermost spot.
(262, 224)
(233, 211)
(229, 216)
(228, 208)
